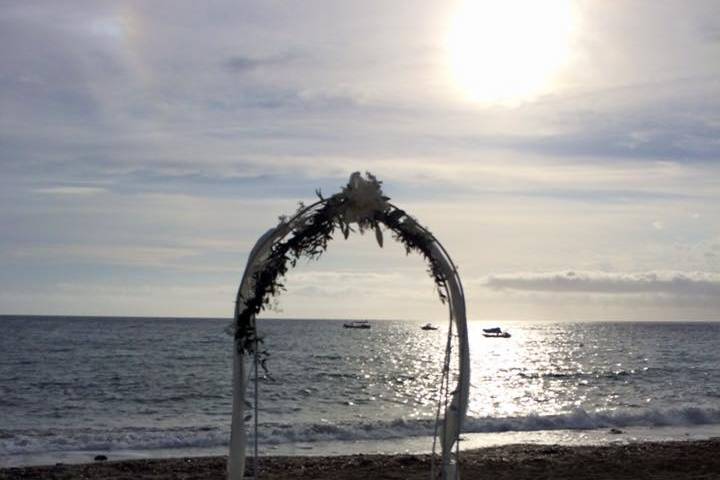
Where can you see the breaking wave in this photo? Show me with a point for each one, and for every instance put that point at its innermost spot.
(43, 441)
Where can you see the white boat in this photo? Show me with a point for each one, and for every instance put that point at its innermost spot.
(495, 332)
(357, 324)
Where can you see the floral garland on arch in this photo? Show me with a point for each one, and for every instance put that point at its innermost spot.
(360, 203)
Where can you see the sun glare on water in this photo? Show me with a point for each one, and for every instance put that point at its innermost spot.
(508, 51)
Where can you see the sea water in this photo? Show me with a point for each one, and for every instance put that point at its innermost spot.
(128, 387)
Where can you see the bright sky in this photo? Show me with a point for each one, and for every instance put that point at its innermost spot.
(567, 153)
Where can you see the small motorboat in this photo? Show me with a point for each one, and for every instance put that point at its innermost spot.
(357, 324)
(495, 332)
(429, 326)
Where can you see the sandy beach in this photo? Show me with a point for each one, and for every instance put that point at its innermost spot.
(670, 460)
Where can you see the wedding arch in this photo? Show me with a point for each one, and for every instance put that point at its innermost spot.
(360, 205)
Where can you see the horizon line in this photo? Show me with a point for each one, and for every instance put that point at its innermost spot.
(145, 317)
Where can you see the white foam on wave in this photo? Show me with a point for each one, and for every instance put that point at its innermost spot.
(37, 441)
(580, 419)
(34, 441)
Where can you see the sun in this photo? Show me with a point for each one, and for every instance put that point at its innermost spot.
(508, 51)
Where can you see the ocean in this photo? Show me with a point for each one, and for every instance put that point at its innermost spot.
(72, 387)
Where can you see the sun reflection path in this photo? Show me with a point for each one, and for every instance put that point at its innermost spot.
(524, 375)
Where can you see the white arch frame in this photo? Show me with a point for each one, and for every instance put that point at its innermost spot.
(455, 411)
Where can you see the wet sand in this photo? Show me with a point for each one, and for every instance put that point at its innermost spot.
(662, 461)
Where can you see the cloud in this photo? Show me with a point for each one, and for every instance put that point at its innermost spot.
(70, 190)
(244, 63)
(167, 298)
(664, 283)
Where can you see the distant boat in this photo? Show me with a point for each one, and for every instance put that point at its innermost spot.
(357, 324)
(495, 332)
(429, 326)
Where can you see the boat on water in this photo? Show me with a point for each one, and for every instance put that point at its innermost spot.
(357, 324)
(495, 332)
(429, 326)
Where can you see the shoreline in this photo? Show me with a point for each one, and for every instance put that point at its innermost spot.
(408, 445)
(694, 459)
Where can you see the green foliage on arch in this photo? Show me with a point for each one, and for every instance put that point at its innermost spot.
(360, 204)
